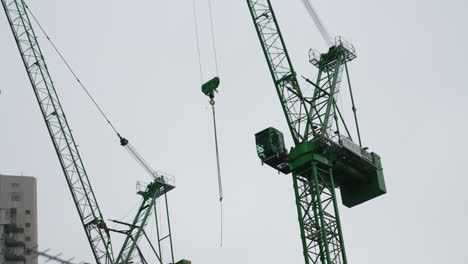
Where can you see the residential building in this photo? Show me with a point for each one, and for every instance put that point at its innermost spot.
(18, 219)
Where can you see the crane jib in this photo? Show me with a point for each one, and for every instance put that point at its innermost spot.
(295, 107)
(59, 130)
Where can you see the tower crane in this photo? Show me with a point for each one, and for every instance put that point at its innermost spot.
(97, 232)
(325, 156)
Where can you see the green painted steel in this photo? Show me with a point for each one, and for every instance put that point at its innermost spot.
(150, 195)
(210, 87)
(353, 106)
(322, 159)
(324, 109)
(59, 130)
(371, 187)
(69, 157)
(284, 77)
(316, 202)
(184, 261)
(272, 150)
(162, 237)
(316, 214)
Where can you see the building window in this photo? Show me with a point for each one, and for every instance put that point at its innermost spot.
(28, 238)
(13, 214)
(15, 196)
(15, 185)
(27, 212)
(28, 224)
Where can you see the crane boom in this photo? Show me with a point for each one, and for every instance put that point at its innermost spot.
(70, 160)
(316, 202)
(69, 157)
(295, 108)
(59, 130)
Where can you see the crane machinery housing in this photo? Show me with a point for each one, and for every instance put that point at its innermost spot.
(325, 156)
(97, 231)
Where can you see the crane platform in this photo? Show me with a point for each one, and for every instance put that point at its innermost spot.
(162, 181)
(328, 60)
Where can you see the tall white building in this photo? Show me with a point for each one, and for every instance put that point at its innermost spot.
(18, 219)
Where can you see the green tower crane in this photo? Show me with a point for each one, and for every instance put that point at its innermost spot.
(97, 232)
(325, 156)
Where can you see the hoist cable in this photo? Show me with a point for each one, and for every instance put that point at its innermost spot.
(198, 42)
(215, 53)
(221, 220)
(220, 185)
(126, 144)
(213, 38)
(72, 71)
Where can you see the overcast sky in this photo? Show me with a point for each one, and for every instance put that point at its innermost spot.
(139, 60)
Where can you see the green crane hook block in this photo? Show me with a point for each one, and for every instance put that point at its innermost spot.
(210, 87)
(184, 261)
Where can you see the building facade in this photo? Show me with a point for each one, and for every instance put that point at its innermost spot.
(18, 219)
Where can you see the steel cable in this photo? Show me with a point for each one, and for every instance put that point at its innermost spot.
(72, 71)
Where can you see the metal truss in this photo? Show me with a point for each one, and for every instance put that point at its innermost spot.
(59, 130)
(66, 149)
(318, 215)
(281, 69)
(324, 100)
(324, 109)
(150, 195)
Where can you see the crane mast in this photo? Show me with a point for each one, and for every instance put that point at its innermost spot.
(59, 130)
(322, 159)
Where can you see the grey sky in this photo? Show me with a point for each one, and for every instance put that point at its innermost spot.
(139, 61)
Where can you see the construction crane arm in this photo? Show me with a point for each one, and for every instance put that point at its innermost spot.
(69, 157)
(295, 107)
(59, 130)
